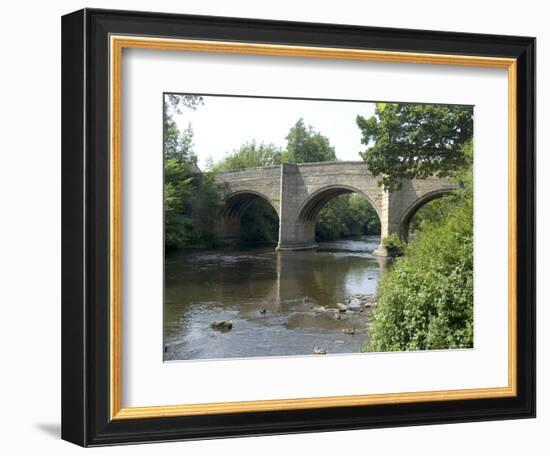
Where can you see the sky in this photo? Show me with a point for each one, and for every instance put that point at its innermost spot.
(222, 124)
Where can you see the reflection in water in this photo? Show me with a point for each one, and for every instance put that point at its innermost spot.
(280, 303)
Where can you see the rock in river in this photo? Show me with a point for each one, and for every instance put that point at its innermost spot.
(222, 325)
(319, 309)
(319, 351)
(341, 307)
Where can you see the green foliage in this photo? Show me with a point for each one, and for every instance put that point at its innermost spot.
(437, 210)
(425, 301)
(191, 199)
(250, 155)
(171, 138)
(260, 223)
(393, 244)
(464, 176)
(203, 205)
(178, 144)
(406, 141)
(305, 145)
(177, 190)
(347, 215)
(178, 103)
(431, 213)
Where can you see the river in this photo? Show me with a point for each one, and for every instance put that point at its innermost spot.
(279, 303)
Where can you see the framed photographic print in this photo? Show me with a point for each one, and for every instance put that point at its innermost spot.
(279, 227)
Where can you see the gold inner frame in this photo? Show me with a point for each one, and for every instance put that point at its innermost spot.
(117, 44)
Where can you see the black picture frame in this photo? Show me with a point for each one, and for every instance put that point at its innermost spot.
(85, 224)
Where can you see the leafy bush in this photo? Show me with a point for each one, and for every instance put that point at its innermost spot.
(393, 244)
(426, 299)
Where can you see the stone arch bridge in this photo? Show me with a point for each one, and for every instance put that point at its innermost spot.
(298, 192)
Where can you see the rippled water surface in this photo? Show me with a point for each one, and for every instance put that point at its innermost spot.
(279, 303)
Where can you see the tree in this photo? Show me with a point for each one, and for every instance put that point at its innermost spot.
(250, 155)
(411, 141)
(346, 215)
(177, 189)
(305, 145)
(191, 202)
(191, 198)
(179, 144)
(178, 103)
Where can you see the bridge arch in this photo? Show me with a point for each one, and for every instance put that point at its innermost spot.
(232, 209)
(312, 205)
(415, 206)
(236, 203)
